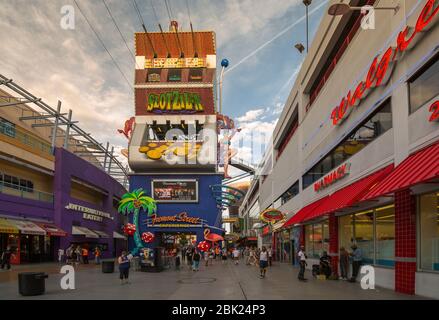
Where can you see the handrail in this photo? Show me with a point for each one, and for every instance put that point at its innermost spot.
(19, 191)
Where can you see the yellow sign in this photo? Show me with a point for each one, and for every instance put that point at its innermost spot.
(230, 220)
(175, 63)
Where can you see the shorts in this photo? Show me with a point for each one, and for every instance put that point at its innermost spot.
(263, 264)
(123, 273)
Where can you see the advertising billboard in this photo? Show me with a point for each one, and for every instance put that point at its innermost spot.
(167, 190)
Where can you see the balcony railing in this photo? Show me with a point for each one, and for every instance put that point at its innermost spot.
(15, 190)
(24, 138)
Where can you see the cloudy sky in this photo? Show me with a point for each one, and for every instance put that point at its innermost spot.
(256, 36)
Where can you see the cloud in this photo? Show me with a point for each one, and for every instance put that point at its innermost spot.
(251, 115)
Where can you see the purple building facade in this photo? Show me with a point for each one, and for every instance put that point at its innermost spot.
(84, 223)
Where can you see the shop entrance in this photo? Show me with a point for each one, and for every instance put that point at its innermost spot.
(173, 242)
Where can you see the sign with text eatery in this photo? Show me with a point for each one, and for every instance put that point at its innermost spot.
(89, 213)
(332, 177)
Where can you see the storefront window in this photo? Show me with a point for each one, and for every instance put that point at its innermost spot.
(429, 231)
(309, 248)
(385, 236)
(364, 234)
(326, 237)
(374, 126)
(346, 231)
(424, 86)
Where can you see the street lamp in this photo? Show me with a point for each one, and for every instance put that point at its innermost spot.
(339, 9)
(307, 3)
(224, 65)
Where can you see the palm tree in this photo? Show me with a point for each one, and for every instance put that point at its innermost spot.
(132, 202)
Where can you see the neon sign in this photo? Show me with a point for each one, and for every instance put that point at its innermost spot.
(379, 72)
(174, 102)
(181, 217)
(332, 177)
(434, 109)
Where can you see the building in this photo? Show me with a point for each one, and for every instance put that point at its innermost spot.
(355, 154)
(173, 147)
(53, 195)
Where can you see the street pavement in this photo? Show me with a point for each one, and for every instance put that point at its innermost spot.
(216, 282)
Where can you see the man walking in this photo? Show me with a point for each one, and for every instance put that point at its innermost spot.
(6, 258)
(357, 258)
(270, 256)
(302, 263)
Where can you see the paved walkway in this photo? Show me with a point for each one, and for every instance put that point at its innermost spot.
(217, 282)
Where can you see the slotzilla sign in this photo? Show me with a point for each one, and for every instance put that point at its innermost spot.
(89, 213)
(332, 177)
(174, 102)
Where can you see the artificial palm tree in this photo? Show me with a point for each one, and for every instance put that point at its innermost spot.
(132, 202)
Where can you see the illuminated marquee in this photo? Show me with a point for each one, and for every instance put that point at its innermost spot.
(180, 219)
(175, 63)
(379, 72)
(174, 101)
(332, 177)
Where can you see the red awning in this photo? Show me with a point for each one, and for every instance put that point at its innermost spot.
(52, 230)
(305, 211)
(419, 167)
(351, 194)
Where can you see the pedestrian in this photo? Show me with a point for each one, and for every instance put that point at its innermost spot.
(211, 256)
(357, 258)
(78, 252)
(60, 255)
(270, 256)
(84, 253)
(183, 254)
(196, 257)
(206, 258)
(177, 262)
(69, 252)
(97, 255)
(124, 267)
(6, 258)
(224, 256)
(344, 263)
(252, 257)
(235, 254)
(74, 256)
(263, 261)
(189, 255)
(302, 263)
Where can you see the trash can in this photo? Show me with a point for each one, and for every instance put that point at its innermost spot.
(32, 283)
(107, 266)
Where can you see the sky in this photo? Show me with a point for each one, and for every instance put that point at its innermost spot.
(256, 36)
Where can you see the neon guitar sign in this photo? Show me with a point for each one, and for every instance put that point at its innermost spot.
(379, 72)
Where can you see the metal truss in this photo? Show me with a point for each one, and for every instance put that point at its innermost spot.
(102, 156)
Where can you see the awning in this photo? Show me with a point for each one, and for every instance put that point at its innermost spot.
(117, 235)
(7, 227)
(304, 212)
(101, 234)
(52, 230)
(83, 231)
(419, 167)
(27, 227)
(349, 195)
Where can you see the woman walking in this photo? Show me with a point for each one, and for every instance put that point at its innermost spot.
(263, 261)
(196, 257)
(124, 267)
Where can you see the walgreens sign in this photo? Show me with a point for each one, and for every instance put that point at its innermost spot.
(381, 69)
(332, 177)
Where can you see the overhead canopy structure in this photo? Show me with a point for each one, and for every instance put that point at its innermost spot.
(226, 196)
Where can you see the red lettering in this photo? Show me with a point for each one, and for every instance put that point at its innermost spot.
(334, 116)
(370, 78)
(401, 41)
(424, 19)
(358, 93)
(434, 108)
(383, 66)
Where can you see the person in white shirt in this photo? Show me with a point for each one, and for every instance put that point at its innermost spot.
(270, 256)
(302, 262)
(236, 255)
(60, 255)
(263, 261)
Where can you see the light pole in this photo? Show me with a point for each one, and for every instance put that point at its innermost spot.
(224, 65)
(307, 3)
